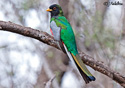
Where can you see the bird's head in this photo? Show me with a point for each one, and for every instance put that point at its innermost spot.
(55, 10)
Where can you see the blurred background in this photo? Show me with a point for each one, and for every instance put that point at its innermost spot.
(29, 63)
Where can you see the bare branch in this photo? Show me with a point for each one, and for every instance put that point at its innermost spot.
(29, 32)
(48, 39)
(48, 84)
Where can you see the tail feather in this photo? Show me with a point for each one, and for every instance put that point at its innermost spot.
(87, 76)
(83, 70)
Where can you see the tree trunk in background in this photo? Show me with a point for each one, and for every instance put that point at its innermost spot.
(100, 7)
(65, 5)
(123, 26)
(42, 78)
(101, 11)
(124, 18)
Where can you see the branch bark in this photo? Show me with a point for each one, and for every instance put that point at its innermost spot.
(48, 39)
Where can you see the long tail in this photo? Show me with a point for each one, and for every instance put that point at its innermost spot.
(87, 76)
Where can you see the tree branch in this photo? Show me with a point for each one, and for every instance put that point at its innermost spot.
(48, 39)
(48, 84)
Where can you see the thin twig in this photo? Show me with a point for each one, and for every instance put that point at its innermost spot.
(48, 84)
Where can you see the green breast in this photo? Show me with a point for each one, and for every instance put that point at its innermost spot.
(67, 35)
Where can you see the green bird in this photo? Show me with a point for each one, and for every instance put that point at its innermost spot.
(63, 33)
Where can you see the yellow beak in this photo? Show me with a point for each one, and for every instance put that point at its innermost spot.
(49, 9)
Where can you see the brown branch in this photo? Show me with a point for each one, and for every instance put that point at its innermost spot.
(46, 38)
(48, 84)
(29, 32)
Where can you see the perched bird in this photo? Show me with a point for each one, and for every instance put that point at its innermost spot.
(63, 33)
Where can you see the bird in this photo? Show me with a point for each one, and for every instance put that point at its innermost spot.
(63, 33)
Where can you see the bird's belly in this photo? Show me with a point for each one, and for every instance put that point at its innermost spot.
(55, 30)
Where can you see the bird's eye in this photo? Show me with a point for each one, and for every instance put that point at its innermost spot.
(54, 8)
